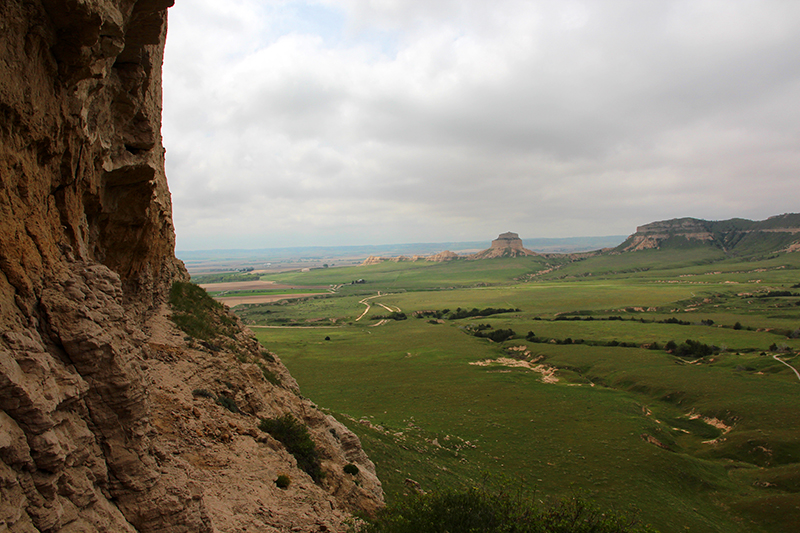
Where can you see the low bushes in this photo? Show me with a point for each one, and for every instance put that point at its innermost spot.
(479, 510)
(294, 435)
(225, 401)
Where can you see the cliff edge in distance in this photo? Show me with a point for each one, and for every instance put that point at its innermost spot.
(735, 237)
(107, 413)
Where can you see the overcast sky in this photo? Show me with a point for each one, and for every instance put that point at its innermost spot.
(344, 122)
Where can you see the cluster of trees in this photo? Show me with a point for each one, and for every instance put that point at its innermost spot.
(394, 315)
(777, 294)
(496, 335)
(690, 348)
(531, 337)
(671, 320)
(486, 331)
(464, 313)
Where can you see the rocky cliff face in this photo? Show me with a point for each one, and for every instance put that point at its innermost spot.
(99, 429)
(780, 233)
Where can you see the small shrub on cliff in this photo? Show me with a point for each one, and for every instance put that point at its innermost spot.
(294, 435)
(268, 374)
(351, 469)
(283, 481)
(228, 403)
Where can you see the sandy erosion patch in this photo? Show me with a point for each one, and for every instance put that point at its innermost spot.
(711, 421)
(548, 372)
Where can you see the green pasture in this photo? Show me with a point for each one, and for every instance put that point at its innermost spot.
(413, 380)
(623, 425)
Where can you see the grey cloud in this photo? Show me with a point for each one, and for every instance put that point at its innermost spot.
(563, 117)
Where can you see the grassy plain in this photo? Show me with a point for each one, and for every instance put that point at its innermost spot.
(697, 444)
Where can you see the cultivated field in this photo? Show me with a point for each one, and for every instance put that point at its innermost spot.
(587, 395)
(257, 292)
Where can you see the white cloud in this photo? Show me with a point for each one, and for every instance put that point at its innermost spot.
(377, 121)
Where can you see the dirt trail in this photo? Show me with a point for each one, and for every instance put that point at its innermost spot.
(365, 301)
(796, 373)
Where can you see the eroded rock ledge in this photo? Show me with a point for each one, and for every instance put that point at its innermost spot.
(99, 430)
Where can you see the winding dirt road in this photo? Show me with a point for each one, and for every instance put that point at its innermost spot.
(365, 301)
(796, 373)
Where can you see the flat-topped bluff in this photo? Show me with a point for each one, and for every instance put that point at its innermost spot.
(108, 418)
(736, 236)
(505, 245)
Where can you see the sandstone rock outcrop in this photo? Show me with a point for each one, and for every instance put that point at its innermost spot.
(99, 430)
(442, 257)
(437, 258)
(506, 245)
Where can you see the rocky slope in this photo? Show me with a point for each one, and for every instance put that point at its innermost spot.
(99, 426)
(735, 237)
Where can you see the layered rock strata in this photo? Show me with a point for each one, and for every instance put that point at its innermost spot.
(99, 429)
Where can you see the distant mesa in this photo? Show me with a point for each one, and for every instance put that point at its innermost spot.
(736, 236)
(506, 245)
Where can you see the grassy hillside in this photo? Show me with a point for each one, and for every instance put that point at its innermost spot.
(707, 443)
